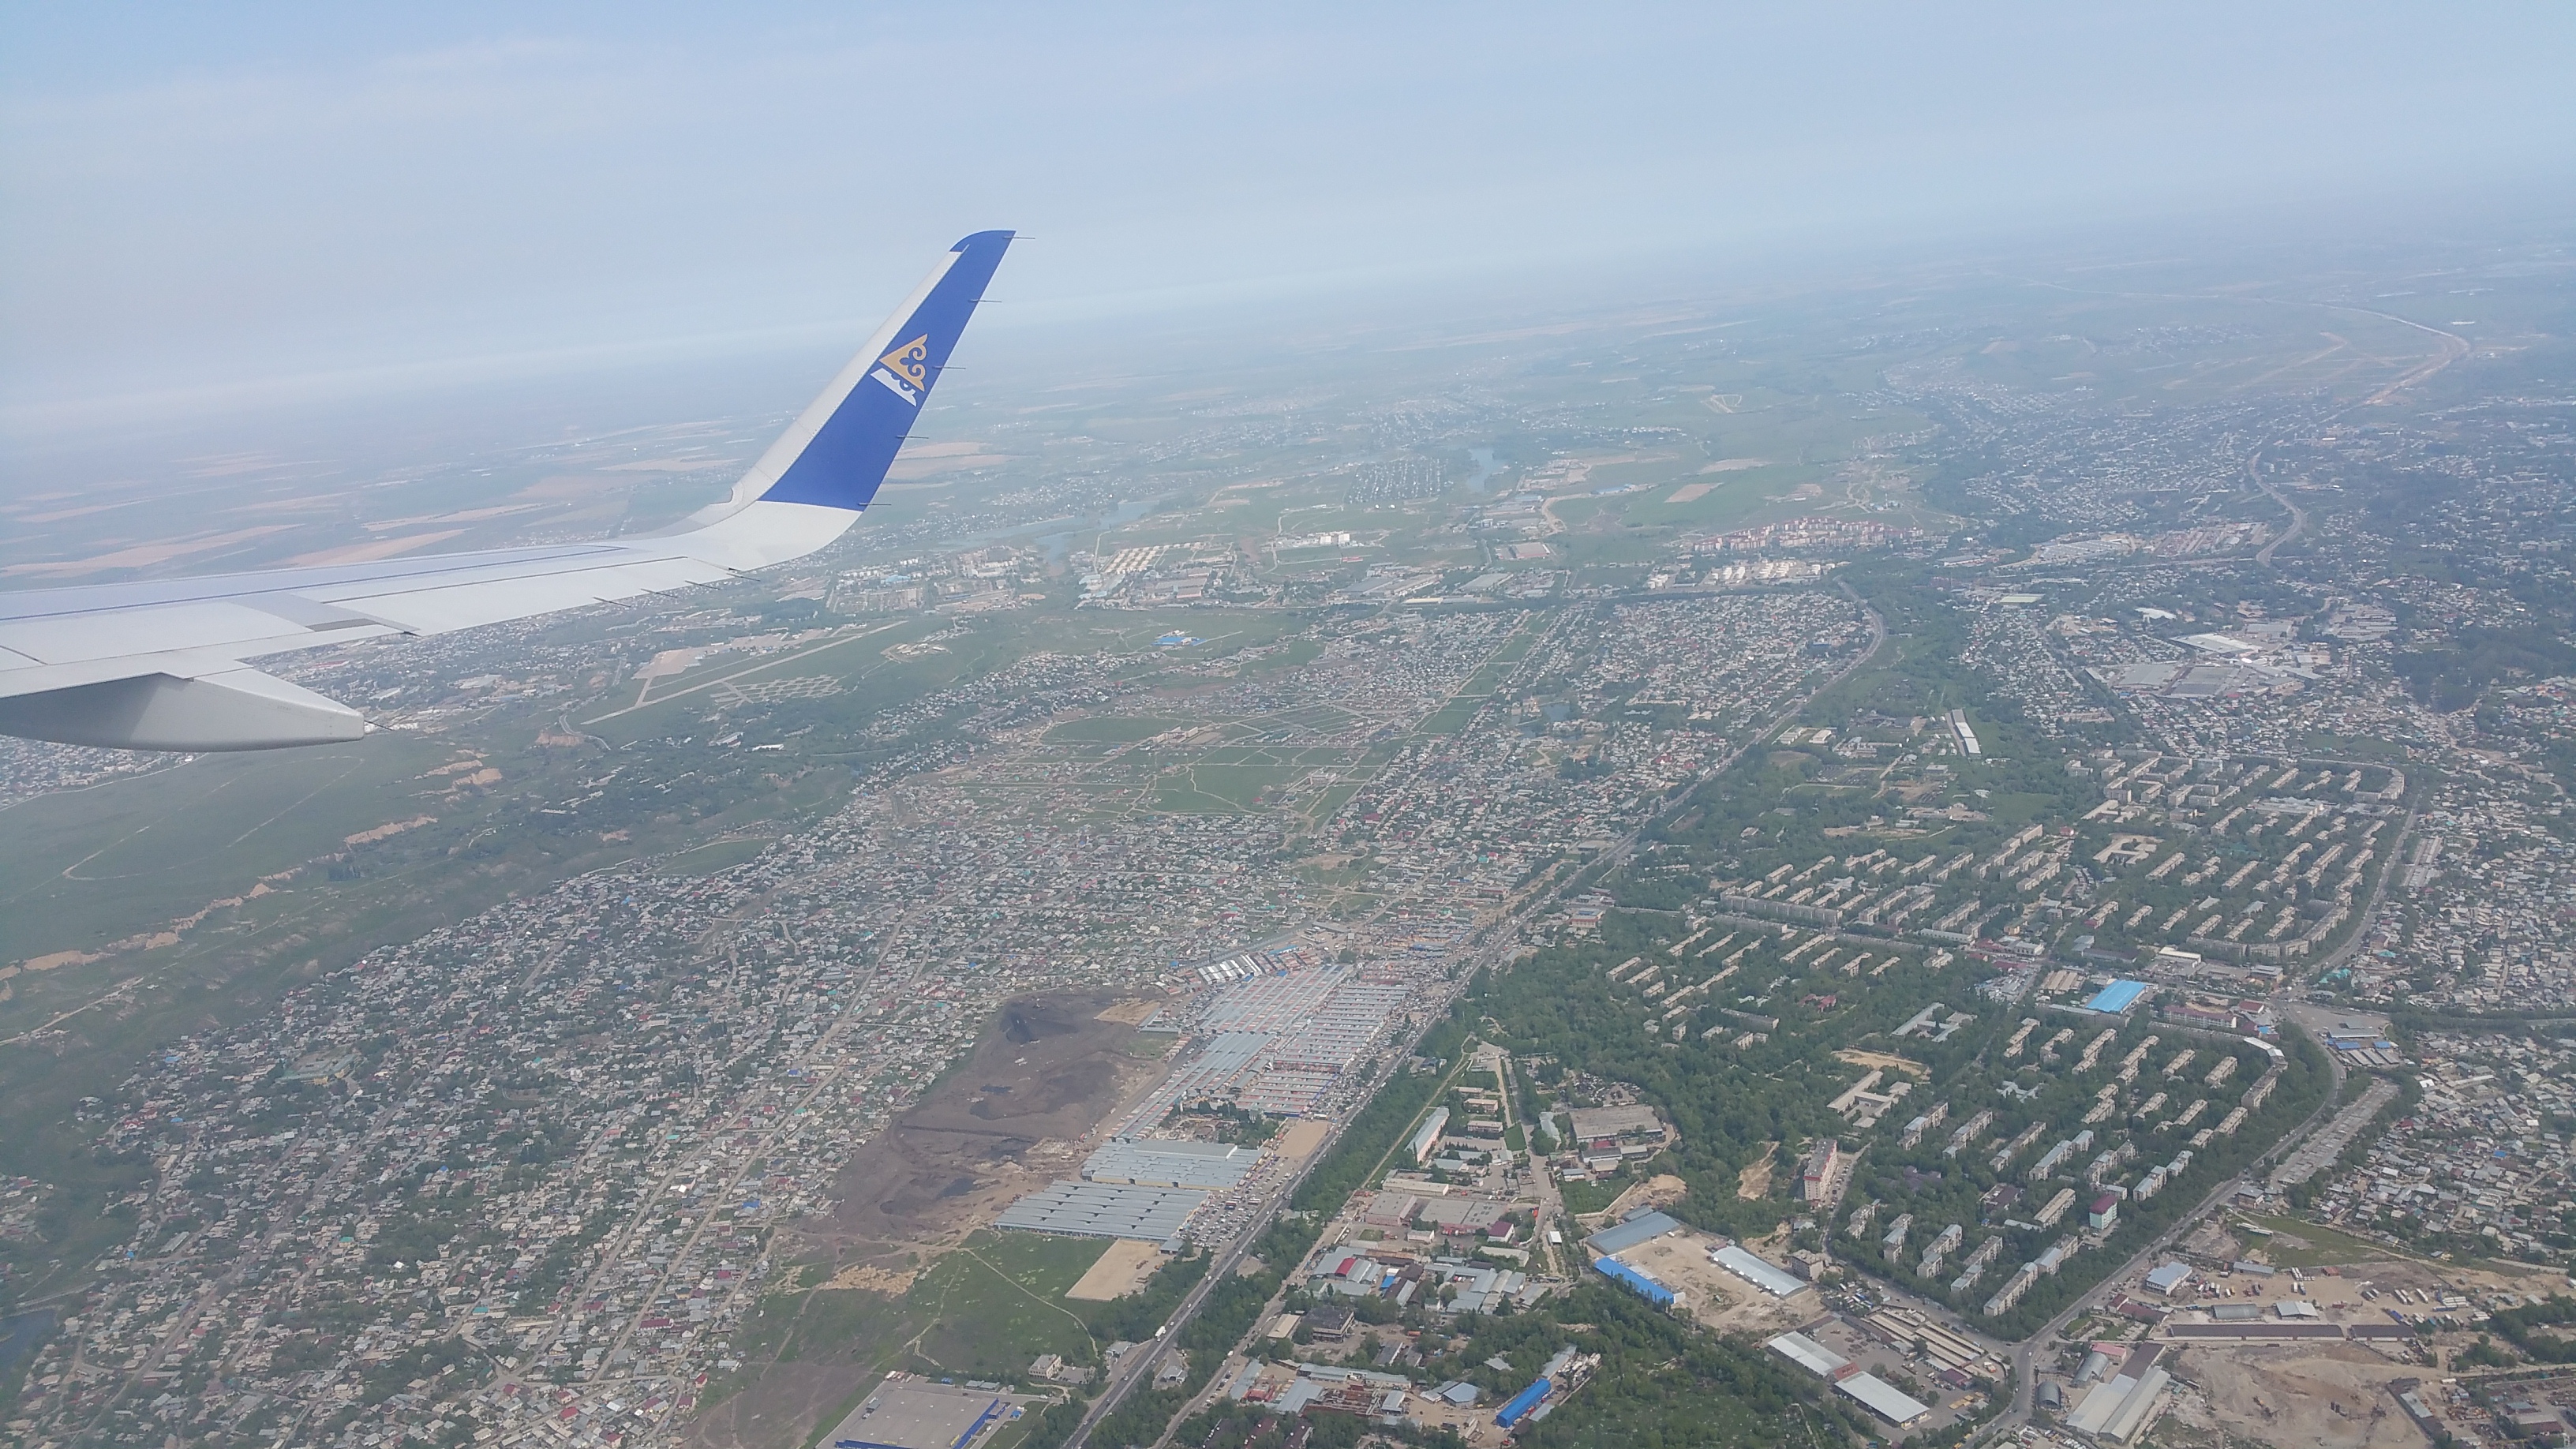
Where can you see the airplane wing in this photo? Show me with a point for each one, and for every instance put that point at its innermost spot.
(162, 665)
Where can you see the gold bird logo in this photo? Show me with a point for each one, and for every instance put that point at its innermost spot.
(910, 362)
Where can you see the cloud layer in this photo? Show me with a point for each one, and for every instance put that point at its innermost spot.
(197, 197)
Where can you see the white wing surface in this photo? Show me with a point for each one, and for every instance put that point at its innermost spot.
(163, 665)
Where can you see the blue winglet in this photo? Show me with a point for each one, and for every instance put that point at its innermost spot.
(846, 460)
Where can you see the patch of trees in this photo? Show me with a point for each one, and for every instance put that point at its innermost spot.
(2526, 1329)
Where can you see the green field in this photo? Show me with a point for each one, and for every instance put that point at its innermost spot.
(92, 866)
(1203, 789)
(984, 1309)
(998, 1302)
(712, 857)
(1109, 729)
(2323, 1245)
(1453, 714)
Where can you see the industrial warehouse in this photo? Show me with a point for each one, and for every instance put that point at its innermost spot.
(1104, 1210)
(1275, 1035)
(1874, 1393)
(911, 1412)
(1170, 1164)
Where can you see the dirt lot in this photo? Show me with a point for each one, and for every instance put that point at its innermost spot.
(1299, 1139)
(2357, 1265)
(1883, 1061)
(2329, 1396)
(1016, 1115)
(1753, 1179)
(1121, 1271)
(1659, 1191)
(1131, 1011)
(1713, 1295)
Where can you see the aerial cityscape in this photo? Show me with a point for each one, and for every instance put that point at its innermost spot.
(1960, 900)
(1696, 729)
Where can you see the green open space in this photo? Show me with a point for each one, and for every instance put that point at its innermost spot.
(711, 857)
(1110, 729)
(984, 1309)
(1354, 778)
(1454, 712)
(1220, 789)
(1732, 499)
(88, 867)
(1323, 719)
(2323, 1246)
(1290, 654)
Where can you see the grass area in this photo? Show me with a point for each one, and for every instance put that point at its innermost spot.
(1264, 757)
(2325, 1245)
(90, 866)
(1110, 729)
(1210, 789)
(1733, 497)
(2352, 747)
(982, 1311)
(998, 1302)
(1634, 548)
(714, 856)
(1330, 802)
(1593, 1197)
(1452, 716)
(1319, 718)
(1461, 707)
(1295, 654)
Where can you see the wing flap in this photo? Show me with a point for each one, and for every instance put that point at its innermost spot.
(210, 624)
(231, 709)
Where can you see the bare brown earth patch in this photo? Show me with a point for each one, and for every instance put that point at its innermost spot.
(1660, 1191)
(1883, 1061)
(1019, 1113)
(2326, 1397)
(870, 1278)
(1753, 1179)
(1121, 1270)
(1300, 1139)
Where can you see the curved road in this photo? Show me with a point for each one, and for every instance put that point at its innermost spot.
(2454, 347)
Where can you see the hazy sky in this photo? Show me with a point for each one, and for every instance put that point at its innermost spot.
(197, 196)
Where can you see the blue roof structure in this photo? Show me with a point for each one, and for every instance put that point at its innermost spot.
(1643, 1286)
(2117, 997)
(1522, 1402)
